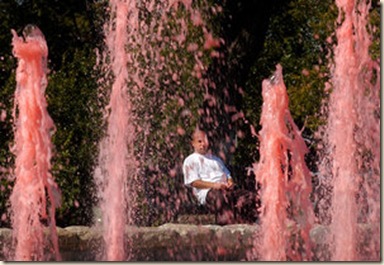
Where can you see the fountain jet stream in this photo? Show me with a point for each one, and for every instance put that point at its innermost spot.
(352, 138)
(284, 177)
(116, 161)
(33, 149)
(349, 163)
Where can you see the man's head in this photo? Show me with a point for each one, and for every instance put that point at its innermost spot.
(200, 142)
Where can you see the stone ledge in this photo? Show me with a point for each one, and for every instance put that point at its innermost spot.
(181, 242)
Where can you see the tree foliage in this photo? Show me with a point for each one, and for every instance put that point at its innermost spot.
(296, 38)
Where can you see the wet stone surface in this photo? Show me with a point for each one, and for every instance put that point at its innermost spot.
(174, 242)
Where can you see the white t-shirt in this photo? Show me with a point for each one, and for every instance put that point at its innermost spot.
(205, 167)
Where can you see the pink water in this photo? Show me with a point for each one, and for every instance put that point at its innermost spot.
(284, 177)
(350, 155)
(135, 62)
(116, 162)
(351, 139)
(352, 135)
(35, 191)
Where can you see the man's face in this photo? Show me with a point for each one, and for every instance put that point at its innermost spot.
(200, 143)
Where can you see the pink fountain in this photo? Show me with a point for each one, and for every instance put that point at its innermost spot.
(351, 156)
(117, 165)
(284, 178)
(128, 43)
(35, 191)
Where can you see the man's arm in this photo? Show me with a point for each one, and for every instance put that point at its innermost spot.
(201, 184)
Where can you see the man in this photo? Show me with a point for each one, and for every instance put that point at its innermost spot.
(213, 185)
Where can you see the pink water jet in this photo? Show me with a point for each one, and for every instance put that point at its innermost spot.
(116, 161)
(284, 177)
(35, 191)
(135, 62)
(352, 135)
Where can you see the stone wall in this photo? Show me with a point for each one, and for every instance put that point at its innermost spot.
(170, 242)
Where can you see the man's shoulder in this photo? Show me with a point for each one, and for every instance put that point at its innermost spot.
(192, 158)
(214, 157)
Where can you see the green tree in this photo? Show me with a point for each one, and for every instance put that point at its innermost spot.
(297, 39)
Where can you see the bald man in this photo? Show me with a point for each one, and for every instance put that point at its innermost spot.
(213, 185)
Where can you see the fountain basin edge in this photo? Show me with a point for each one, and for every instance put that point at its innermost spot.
(179, 242)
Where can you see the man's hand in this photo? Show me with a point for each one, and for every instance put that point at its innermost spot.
(230, 184)
(219, 186)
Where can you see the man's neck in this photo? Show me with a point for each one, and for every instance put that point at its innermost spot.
(203, 154)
